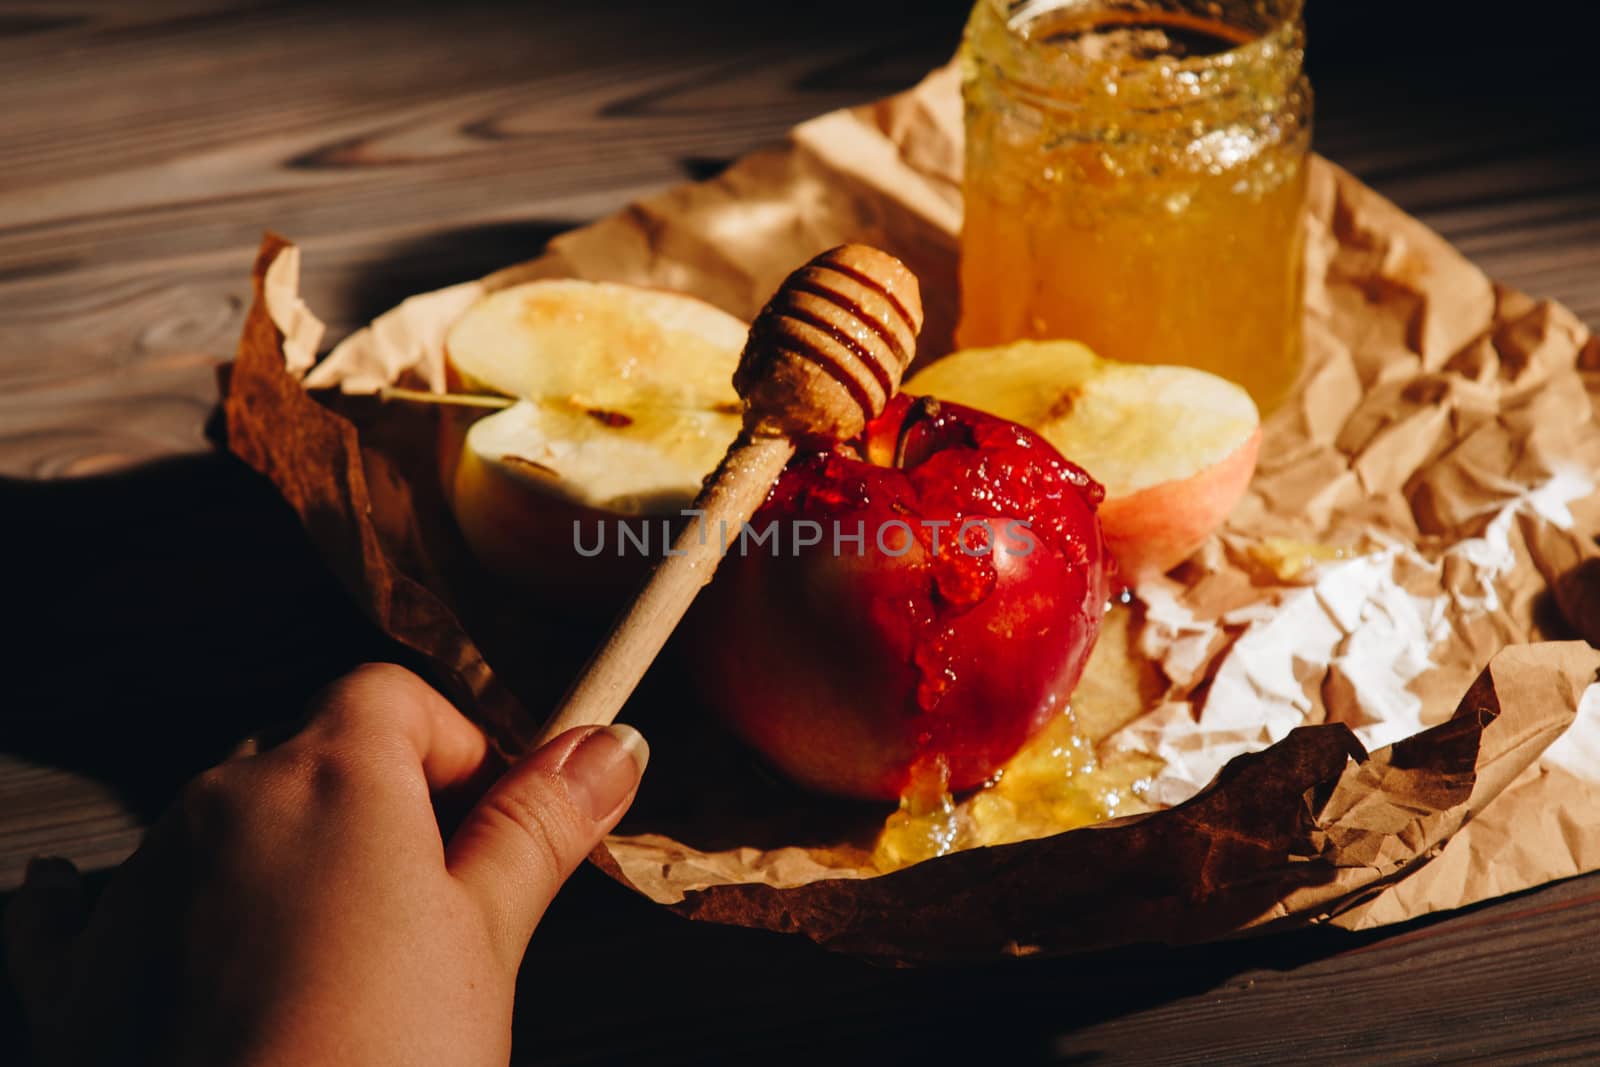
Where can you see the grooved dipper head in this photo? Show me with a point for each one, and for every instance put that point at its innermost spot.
(827, 352)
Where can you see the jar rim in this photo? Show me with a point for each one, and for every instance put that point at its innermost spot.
(1052, 72)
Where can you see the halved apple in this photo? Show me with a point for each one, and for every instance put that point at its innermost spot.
(624, 402)
(1174, 447)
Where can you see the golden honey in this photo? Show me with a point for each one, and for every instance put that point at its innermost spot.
(1135, 179)
(1057, 782)
(1287, 560)
(1060, 780)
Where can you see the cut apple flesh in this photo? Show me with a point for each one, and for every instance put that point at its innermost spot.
(613, 345)
(643, 457)
(624, 403)
(626, 395)
(1174, 447)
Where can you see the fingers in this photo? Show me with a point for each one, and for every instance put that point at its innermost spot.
(538, 822)
(384, 709)
(41, 922)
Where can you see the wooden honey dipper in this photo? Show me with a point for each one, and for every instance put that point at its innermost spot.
(822, 359)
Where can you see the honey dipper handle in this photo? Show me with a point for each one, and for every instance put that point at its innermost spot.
(730, 497)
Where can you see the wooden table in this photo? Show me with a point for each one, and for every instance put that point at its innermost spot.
(143, 147)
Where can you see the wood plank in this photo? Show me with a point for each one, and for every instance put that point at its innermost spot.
(126, 233)
(127, 229)
(71, 815)
(176, 608)
(1503, 982)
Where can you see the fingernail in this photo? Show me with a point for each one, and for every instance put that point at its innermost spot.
(604, 768)
(50, 872)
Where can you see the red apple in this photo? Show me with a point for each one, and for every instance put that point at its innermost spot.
(851, 667)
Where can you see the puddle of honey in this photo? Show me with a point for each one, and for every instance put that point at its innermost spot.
(1060, 780)
(1288, 560)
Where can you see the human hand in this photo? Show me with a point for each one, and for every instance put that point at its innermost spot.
(302, 906)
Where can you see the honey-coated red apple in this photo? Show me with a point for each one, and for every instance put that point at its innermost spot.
(930, 604)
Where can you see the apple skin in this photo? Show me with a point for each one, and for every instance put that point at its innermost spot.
(850, 672)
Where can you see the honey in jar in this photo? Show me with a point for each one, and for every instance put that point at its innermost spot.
(1135, 178)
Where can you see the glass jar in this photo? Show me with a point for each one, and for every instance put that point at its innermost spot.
(1135, 179)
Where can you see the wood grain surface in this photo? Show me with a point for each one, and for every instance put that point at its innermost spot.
(162, 603)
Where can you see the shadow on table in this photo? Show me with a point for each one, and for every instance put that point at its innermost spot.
(613, 978)
(434, 260)
(163, 613)
(159, 616)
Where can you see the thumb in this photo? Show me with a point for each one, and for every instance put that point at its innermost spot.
(538, 822)
(41, 922)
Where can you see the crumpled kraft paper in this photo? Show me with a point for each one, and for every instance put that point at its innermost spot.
(1442, 446)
